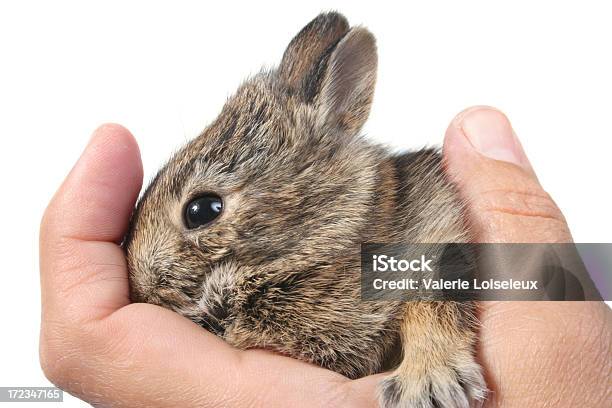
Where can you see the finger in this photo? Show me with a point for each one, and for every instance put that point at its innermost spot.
(506, 202)
(96, 199)
(83, 272)
(526, 348)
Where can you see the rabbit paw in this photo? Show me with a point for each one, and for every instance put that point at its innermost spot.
(440, 387)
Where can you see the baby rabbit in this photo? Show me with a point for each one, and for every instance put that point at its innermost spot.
(253, 229)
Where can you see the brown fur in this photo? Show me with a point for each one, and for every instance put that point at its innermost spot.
(280, 267)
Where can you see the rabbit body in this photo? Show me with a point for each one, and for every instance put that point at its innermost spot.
(279, 268)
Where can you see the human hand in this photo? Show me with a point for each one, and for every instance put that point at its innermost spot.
(106, 351)
(535, 354)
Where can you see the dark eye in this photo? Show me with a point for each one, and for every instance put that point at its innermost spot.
(202, 210)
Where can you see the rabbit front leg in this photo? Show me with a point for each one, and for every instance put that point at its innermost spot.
(438, 368)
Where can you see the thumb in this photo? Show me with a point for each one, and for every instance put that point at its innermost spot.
(505, 200)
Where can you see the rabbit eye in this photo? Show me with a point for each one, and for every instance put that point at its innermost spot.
(202, 210)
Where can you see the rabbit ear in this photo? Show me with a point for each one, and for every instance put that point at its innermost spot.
(299, 68)
(347, 86)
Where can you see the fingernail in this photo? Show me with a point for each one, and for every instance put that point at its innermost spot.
(490, 133)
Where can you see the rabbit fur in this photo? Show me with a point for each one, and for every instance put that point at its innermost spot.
(280, 267)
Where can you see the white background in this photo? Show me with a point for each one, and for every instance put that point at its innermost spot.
(164, 71)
